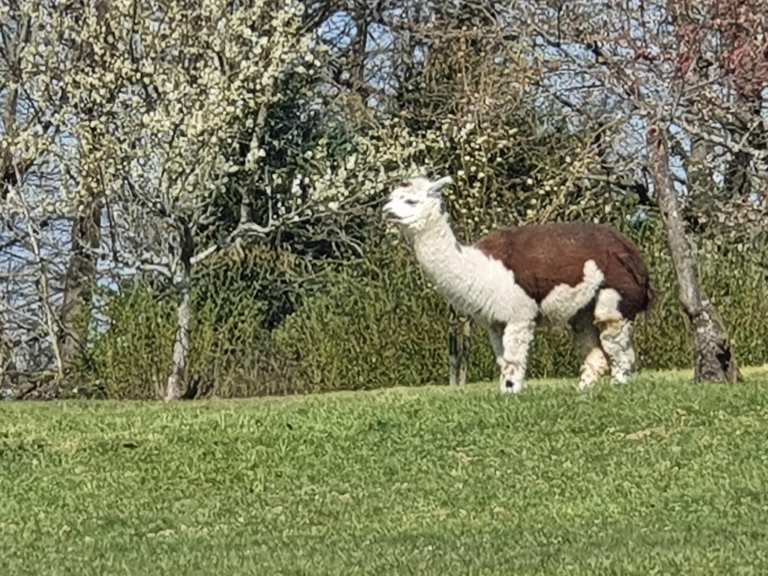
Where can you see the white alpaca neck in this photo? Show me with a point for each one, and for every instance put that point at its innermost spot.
(455, 269)
(472, 282)
(438, 250)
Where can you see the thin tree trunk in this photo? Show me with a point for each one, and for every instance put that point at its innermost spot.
(359, 50)
(5, 360)
(713, 358)
(45, 296)
(465, 348)
(458, 351)
(177, 378)
(79, 282)
(453, 356)
(246, 200)
(43, 285)
(8, 171)
(699, 171)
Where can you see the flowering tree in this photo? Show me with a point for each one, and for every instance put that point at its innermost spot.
(148, 116)
(196, 79)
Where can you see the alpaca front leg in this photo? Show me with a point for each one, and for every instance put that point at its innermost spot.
(495, 335)
(516, 340)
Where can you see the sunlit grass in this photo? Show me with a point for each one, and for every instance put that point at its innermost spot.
(660, 476)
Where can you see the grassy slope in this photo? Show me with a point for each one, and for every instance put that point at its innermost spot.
(661, 475)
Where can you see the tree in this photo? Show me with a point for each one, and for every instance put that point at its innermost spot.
(714, 358)
(191, 77)
(202, 87)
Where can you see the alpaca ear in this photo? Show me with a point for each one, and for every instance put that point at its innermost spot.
(436, 188)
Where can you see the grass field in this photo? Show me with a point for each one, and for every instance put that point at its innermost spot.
(661, 477)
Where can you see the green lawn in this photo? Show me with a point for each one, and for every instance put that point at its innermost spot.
(658, 477)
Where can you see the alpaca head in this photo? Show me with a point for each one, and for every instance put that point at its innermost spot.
(416, 203)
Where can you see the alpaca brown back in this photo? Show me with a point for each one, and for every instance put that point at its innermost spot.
(543, 256)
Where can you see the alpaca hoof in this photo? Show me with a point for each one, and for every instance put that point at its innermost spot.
(511, 387)
(586, 384)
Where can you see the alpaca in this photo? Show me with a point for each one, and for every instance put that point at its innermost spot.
(588, 276)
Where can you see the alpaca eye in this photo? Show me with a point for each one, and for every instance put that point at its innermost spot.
(411, 202)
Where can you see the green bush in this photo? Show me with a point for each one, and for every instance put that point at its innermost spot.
(379, 323)
(376, 324)
(228, 350)
(131, 357)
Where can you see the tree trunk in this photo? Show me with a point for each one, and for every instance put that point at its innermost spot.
(79, 282)
(177, 378)
(713, 358)
(466, 341)
(359, 50)
(458, 351)
(5, 361)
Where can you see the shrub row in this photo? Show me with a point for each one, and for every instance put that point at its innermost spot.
(378, 323)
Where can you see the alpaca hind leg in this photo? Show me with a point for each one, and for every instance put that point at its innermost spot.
(615, 334)
(516, 340)
(616, 340)
(595, 363)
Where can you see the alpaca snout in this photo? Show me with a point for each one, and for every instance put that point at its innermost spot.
(393, 211)
(389, 210)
